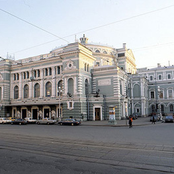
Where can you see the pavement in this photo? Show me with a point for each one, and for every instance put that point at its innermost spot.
(120, 123)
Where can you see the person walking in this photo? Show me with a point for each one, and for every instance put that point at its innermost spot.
(153, 120)
(130, 122)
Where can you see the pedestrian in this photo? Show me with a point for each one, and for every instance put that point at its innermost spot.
(153, 120)
(130, 122)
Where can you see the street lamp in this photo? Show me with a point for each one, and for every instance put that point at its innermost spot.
(159, 92)
(59, 92)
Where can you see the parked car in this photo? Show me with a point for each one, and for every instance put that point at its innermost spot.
(70, 121)
(30, 120)
(46, 121)
(19, 121)
(4, 120)
(169, 118)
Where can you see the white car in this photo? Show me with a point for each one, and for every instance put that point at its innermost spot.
(4, 120)
(30, 120)
(46, 121)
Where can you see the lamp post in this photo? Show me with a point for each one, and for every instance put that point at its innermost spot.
(59, 92)
(159, 92)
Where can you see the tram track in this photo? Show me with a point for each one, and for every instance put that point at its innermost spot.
(89, 151)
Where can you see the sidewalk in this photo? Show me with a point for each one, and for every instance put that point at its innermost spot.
(120, 123)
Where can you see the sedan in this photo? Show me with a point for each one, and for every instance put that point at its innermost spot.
(70, 121)
(169, 119)
(19, 121)
(156, 118)
(46, 121)
(4, 120)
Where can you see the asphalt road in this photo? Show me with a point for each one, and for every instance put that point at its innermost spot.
(49, 149)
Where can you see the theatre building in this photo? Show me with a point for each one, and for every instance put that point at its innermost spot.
(80, 80)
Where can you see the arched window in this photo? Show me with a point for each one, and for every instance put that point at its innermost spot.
(35, 73)
(48, 89)
(86, 87)
(17, 76)
(26, 91)
(70, 86)
(14, 76)
(27, 75)
(171, 108)
(59, 85)
(24, 75)
(38, 73)
(16, 92)
(36, 90)
(50, 71)
(104, 52)
(97, 51)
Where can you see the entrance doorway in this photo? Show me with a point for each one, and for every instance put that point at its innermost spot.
(97, 114)
(24, 111)
(46, 113)
(34, 113)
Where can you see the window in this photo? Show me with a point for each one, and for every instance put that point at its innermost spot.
(27, 75)
(35, 73)
(152, 94)
(24, 75)
(26, 91)
(171, 108)
(161, 94)
(168, 76)
(86, 87)
(98, 63)
(50, 71)
(38, 73)
(70, 86)
(153, 108)
(160, 77)
(46, 72)
(85, 66)
(170, 93)
(70, 105)
(59, 85)
(58, 70)
(16, 92)
(97, 51)
(104, 52)
(48, 89)
(17, 76)
(14, 76)
(151, 78)
(88, 68)
(121, 55)
(36, 90)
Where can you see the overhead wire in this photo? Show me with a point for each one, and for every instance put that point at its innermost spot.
(33, 25)
(94, 28)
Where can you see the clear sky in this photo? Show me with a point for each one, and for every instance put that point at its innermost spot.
(147, 26)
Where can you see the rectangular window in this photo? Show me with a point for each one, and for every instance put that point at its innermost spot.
(170, 93)
(160, 77)
(168, 76)
(151, 78)
(152, 94)
(121, 55)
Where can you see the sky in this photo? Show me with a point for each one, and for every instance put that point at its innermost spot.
(33, 27)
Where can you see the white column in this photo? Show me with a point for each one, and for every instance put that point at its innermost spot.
(42, 84)
(53, 82)
(30, 86)
(20, 86)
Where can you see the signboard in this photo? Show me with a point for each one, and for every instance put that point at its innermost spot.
(111, 114)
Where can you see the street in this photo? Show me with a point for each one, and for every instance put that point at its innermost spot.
(86, 149)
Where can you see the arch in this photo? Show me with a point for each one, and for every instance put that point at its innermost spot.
(36, 90)
(16, 92)
(97, 51)
(26, 91)
(104, 52)
(48, 90)
(71, 86)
